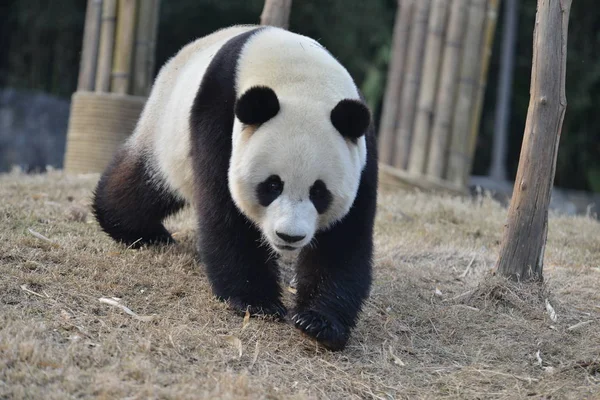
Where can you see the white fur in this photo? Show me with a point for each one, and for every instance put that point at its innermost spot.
(299, 144)
(163, 130)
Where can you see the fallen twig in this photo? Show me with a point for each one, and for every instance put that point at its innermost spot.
(38, 235)
(468, 269)
(519, 378)
(397, 359)
(579, 325)
(26, 290)
(116, 303)
(466, 307)
(551, 311)
(459, 296)
(539, 358)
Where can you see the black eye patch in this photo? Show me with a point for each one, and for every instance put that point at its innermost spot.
(269, 189)
(320, 196)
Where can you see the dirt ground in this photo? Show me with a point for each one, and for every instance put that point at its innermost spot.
(437, 325)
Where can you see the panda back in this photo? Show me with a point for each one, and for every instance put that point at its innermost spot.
(163, 130)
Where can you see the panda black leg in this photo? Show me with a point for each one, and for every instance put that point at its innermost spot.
(241, 270)
(334, 277)
(130, 206)
(332, 285)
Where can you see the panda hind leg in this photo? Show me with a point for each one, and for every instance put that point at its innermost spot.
(130, 205)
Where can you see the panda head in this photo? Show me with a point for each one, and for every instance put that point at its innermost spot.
(296, 164)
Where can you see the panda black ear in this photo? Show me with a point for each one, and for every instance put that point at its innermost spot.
(351, 118)
(257, 105)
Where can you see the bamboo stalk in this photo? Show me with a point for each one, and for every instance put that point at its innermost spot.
(393, 89)
(446, 95)
(145, 46)
(486, 54)
(431, 66)
(107, 37)
(91, 40)
(152, 47)
(412, 81)
(276, 13)
(124, 46)
(458, 157)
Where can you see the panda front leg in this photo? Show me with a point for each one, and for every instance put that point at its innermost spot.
(334, 276)
(242, 271)
(333, 281)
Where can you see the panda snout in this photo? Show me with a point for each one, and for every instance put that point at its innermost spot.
(290, 238)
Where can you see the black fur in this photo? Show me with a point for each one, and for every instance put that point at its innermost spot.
(240, 269)
(334, 274)
(129, 206)
(320, 196)
(269, 190)
(258, 105)
(351, 118)
(334, 277)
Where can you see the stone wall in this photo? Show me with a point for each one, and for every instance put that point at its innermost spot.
(33, 128)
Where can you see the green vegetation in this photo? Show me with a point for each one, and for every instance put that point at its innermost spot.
(41, 44)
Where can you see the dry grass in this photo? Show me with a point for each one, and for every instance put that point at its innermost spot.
(436, 325)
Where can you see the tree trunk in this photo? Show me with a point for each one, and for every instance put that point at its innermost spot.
(522, 249)
(276, 13)
(509, 34)
(393, 88)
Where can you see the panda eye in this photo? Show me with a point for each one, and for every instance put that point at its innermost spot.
(268, 190)
(274, 186)
(320, 196)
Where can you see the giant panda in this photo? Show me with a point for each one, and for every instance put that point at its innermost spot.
(265, 134)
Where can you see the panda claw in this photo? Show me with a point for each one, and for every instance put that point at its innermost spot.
(325, 329)
(275, 310)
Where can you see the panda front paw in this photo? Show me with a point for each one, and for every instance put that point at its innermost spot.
(274, 309)
(325, 330)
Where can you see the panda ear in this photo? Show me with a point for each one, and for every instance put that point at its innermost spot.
(351, 118)
(257, 105)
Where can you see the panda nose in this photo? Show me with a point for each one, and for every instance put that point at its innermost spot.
(290, 238)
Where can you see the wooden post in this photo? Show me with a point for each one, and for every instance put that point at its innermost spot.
(276, 13)
(124, 46)
(458, 155)
(522, 248)
(412, 82)
(107, 38)
(426, 101)
(440, 135)
(89, 52)
(393, 88)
